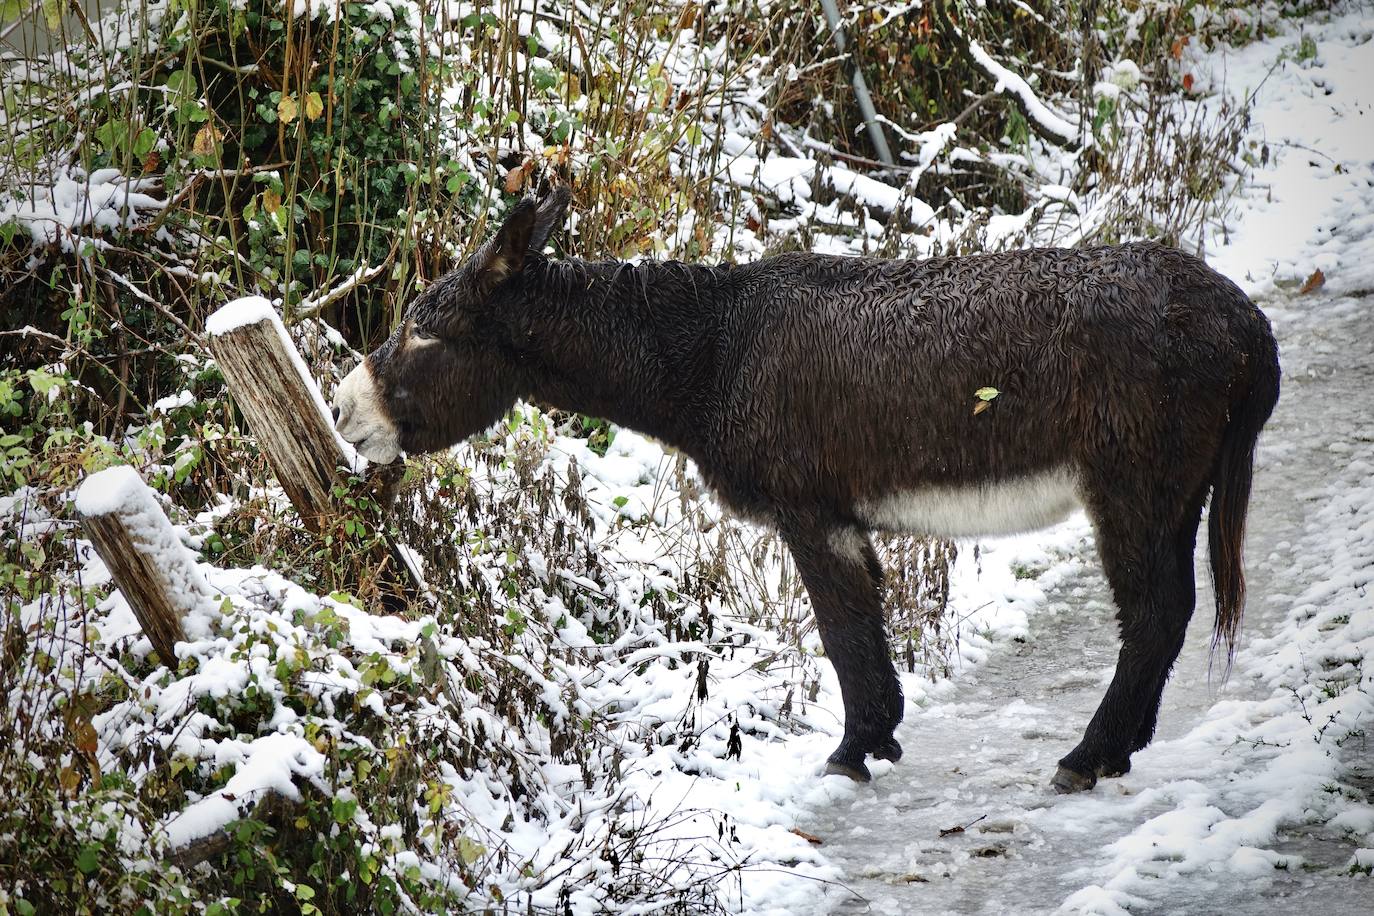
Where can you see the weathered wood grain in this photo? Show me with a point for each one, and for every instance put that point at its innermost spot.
(142, 580)
(155, 572)
(284, 415)
(288, 417)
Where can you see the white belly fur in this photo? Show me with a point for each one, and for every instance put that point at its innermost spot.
(1002, 507)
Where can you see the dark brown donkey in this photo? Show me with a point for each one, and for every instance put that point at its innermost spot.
(831, 397)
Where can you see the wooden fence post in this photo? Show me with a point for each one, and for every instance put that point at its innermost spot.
(152, 568)
(288, 415)
(283, 405)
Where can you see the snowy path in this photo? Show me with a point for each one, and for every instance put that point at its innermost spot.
(988, 752)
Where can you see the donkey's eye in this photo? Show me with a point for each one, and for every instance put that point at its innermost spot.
(420, 333)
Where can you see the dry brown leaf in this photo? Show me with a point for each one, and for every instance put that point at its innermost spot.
(1314, 282)
(271, 201)
(82, 732)
(515, 178)
(981, 406)
(70, 779)
(809, 837)
(206, 140)
(286, 109)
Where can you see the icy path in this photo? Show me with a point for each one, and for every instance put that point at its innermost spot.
(986, 754)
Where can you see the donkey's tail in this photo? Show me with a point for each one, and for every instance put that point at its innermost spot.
(1250, 408)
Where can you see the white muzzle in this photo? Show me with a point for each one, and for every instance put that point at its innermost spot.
(360, 419)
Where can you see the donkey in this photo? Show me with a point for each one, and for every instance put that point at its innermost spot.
(830, 397)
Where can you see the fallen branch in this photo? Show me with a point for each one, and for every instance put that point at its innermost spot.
(205, 848)
(1040, 115)
(153, 304)
(195, 179)
(951, 831)
(1044, 121)
(29, 330)
(313, 305)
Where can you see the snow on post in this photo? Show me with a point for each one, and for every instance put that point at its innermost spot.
(152, 568)
(285, 410)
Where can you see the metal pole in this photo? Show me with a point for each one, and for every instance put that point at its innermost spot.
(875, 129)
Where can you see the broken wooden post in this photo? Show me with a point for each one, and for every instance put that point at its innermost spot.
(288, 415)
(282, 403)
(155, 572)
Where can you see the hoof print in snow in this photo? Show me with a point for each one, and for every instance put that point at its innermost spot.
(1067, 781)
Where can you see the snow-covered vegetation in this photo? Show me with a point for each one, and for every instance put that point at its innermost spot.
(610, 696)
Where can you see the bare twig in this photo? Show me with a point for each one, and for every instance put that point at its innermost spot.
(313, 305)
(951, 831)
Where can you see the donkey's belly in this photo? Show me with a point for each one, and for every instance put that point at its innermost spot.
(993, 507)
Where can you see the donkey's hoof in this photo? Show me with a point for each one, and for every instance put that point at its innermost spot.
(1114, 769)
(858, 773)
(1067, 781)
(888, 750)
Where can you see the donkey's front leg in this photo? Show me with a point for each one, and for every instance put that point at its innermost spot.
(842, 575)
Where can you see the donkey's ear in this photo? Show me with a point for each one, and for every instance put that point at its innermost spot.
(505, 254)
(548, 217)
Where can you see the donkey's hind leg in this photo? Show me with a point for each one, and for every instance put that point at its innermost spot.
(1152, 580)
(1185, 540)
(843, 577)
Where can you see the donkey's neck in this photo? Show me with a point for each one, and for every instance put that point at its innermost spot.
(636, 344)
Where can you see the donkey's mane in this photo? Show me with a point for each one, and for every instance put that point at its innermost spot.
(624, 282)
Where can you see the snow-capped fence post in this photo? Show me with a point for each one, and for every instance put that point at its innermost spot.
(151, 567)
(291, 422)
(283, 405)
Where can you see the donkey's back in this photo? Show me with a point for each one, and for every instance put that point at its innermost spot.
(863, 372)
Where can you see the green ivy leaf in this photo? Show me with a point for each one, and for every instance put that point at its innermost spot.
(344, 810)
(470, 850)
(144, 142)
(182, 84)
(191, 113)
(88, 860)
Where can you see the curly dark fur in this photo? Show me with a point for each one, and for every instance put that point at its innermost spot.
(806, 387)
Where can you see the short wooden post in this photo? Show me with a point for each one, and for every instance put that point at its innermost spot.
(282, 403)
(151, 567)
(288, 415)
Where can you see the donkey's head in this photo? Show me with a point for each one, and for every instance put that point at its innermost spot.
(445, 373)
